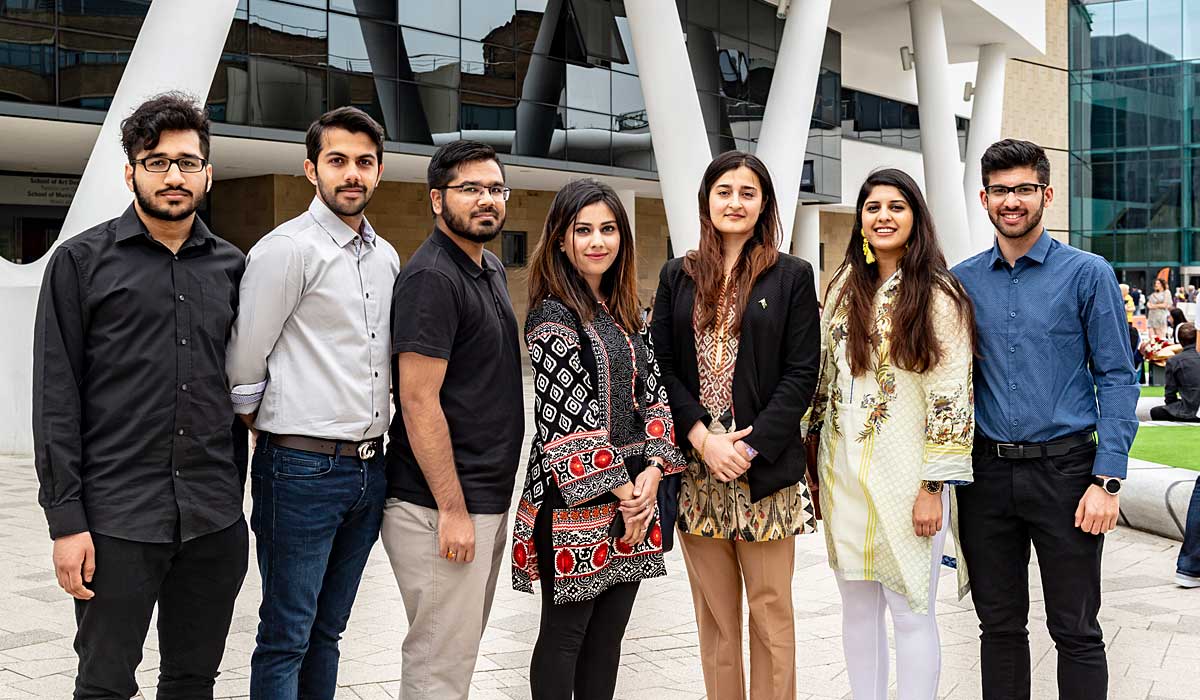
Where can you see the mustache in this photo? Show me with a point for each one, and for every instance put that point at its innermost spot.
(343, 188)
(179, 190)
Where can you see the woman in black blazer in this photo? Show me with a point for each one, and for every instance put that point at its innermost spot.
(736, 330)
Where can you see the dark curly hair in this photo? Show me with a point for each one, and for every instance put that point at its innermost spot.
(170, 111)
(1014, 153)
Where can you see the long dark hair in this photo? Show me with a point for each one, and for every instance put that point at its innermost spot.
(552, 274)
(706, 265)
(914, 346)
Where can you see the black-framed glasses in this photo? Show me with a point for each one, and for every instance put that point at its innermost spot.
(1025, 190)
(476, 191)
(161, 164)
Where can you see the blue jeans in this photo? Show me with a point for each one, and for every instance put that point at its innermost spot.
(1189, 553)
(315, 518)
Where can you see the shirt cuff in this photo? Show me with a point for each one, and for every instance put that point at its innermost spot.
(1108, 464)
(66, 519)
(247, 397)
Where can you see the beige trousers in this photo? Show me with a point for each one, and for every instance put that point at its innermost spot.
(717, 569)
(447, 603)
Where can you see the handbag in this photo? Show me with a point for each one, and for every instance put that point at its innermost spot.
(812, 445)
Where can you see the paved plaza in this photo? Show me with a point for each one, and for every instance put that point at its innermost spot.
(1152, 626)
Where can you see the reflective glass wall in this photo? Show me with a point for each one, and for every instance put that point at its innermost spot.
(1135, 133)
(547, 79)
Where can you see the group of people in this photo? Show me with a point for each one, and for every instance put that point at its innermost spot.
(993, 401)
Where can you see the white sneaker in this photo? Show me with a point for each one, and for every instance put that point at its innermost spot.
(1187, 581)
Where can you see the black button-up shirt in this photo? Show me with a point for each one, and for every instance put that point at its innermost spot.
(132, 421)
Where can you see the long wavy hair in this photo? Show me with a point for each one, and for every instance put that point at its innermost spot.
(914, 346)
(551, 272)
(706, 264)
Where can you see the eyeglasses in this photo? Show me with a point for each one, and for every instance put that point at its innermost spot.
(1025, 190)
(158, 164)
(476, 191)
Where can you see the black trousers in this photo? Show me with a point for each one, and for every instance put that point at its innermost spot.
(1161, 413)
(1012, 504)
(194, 584)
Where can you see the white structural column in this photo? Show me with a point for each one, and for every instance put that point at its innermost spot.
(673, 110)
(936, 95)
(986, 117)
(784, 134)
(159, 62)
(806, 243)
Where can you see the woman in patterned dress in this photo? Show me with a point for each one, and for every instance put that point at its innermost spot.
(587, 526)
(895, 413)
(736, 333)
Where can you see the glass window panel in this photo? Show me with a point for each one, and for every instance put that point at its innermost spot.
(1164, 34)
(26, 63)
(1191, 28)
(379, 9)
(761, 70)
(1100, 36)
(89, 69)
(288, 33)
(492, 21)
(441, 110)
(1130, 119)
(489, 68)
(762, 24)
(430, 58)
(435, 15)
(482, 113)
(362, 46)
(627, 97)
(550, 84)
(735, 19)
(285, 95)
(596, 30)
(589, 137)
(229, 95)
(733, 65)
(28, 10)
(1165, 187)
(121, 17)
(236, 41)
(375, 96)
(889, 121)
(588, 89)
(1129, 26)
(529, 22)
(704, 13)
(1164, 110)
(626, 39)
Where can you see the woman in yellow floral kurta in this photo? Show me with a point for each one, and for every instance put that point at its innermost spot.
(889, 434)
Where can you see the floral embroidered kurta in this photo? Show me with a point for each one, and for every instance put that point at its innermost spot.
(881, 435)
(600, 415)
(709, 507)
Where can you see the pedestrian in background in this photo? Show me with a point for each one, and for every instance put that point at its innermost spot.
(895, 415)
(736, 334)
(1158, 307)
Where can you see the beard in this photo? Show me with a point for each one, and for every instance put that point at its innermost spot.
(477, 232)
(329, 196)
(1035, 222)
(167, 212)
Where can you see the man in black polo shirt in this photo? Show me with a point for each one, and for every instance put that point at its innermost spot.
(139, 467)
(456, 435)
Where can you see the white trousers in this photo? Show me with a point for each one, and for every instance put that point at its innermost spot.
(918, 647)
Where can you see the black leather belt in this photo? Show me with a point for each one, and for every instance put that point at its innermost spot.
(1037, 450)
(336, 448)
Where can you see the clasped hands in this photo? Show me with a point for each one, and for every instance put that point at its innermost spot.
(638, 508)
(726, 455)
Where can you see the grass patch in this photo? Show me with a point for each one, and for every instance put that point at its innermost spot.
(1173, 446)
(1152, 391)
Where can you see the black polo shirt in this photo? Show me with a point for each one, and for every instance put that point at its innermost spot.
(446, 306)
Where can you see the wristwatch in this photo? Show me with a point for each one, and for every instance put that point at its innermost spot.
(932, 486)
(1110, 485)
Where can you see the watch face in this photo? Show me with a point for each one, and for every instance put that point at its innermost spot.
(1112, 485)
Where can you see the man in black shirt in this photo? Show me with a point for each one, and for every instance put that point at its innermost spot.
(139, 468)
(456, 435)
(1182, 392)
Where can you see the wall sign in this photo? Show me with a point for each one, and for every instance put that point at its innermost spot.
(36, 190)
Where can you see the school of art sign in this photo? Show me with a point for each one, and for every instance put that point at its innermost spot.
(43, 191)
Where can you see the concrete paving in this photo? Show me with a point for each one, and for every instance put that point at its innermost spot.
(1152, 626)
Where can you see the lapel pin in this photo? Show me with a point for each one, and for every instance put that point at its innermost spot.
(763, 302)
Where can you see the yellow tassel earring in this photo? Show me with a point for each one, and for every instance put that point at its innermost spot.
(867, 249)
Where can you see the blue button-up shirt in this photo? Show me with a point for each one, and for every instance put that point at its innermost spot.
(1054, 350)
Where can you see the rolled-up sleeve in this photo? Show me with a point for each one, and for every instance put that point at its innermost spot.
(1112, 370)
(58, 359)
(269, 292)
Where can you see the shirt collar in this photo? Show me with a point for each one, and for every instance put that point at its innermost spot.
(335, 227)
(459, 255)
(1037, 253)
(130, 225)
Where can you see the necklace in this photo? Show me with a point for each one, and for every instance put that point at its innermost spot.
(722, 324)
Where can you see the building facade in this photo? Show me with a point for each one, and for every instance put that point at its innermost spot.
(1135, 136)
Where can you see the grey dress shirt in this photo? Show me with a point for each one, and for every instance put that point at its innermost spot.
(311, 345)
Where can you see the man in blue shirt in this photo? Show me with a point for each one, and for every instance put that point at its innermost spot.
(1054, 408)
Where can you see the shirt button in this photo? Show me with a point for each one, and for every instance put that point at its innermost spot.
(377, 414)
(368, 295)
(180, 297)
(1012, 314)
(372, 335)
(183, 341)
(181, 431)
(183, 387)
(178, 473)
(1012, 387)
(376, 374)
(1015, 280)
(1014, 421)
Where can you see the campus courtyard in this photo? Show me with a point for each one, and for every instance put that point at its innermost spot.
(1152, 627)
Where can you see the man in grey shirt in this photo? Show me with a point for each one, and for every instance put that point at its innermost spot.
(309, 369)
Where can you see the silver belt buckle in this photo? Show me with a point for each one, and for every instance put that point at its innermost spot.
(366, 450)
(1001, 446)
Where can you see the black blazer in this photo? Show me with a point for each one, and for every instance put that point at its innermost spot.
(774, 375)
